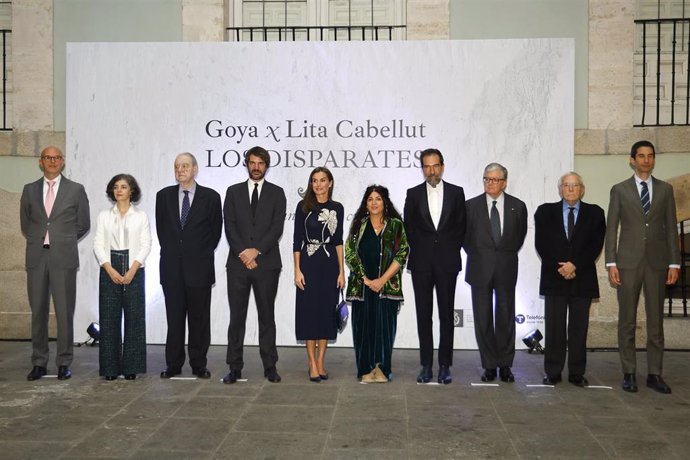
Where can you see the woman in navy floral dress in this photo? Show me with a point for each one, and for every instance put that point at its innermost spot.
(319, 268)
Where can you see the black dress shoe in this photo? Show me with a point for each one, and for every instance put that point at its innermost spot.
(425, 375)
(656, 383)
(232, 376)
(578, 380)
(64, 373)
(130, 376)
(506, 374)
(110, 378)
(629, 383)
(489, 375)
(551, 379)
(444, 376)
(271, 375)
(36, 373)
(169, 372)
(201, 372)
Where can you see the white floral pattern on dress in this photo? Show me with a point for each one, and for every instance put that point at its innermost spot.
(329, 219)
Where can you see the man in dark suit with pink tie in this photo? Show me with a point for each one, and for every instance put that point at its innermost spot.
(496, 229)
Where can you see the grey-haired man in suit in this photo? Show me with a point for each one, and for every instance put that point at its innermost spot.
(496, 229)
(644, 254)
(54, 216)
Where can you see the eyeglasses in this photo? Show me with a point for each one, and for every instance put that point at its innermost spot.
(51, 158)
(492, 180)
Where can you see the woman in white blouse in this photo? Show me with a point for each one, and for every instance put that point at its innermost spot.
(121, 244)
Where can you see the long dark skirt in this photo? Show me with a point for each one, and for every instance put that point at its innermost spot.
(116, 358)
(374, 323)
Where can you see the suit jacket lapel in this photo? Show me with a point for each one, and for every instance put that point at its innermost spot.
(634, 194)
(424, 202)
(174, 199)
(445, 207)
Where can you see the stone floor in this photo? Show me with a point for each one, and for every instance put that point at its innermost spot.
(150, 418)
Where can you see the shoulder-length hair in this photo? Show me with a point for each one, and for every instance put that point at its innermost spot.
(389, 210)
(310, 203)
(133, 186)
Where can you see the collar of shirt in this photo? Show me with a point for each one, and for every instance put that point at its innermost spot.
(55, 187)
(499, 201)
(116, 212)
(250, 186)
(437, 189)
(191, 191)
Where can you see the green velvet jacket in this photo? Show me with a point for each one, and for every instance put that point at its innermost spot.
(394, 247)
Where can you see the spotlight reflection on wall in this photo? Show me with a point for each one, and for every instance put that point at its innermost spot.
(532, 341)
(94, 332)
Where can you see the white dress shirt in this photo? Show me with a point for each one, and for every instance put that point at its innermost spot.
(434, 196)
(117, 232)
(499, 205)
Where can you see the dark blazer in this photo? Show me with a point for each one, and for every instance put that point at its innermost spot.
(69, 221)
(483, 256)
(582, 250)
(187, 255)
(430, 246)
(262, 231)
(654, 236)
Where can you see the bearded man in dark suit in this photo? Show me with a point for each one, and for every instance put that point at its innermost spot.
(435, 226)
(254, 212)
(569, 236)
(496, 229)
(189, 223)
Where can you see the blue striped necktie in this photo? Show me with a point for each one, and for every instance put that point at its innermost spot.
(646, 204)
(185, 208)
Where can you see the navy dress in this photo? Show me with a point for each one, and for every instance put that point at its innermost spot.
(316, 235)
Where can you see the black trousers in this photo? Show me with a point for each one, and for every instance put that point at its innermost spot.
(424, 283)
(191, 305)
(265, 286)
(494, 327)
(566, 323)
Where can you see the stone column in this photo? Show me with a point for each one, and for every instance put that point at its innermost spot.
(32, 61)
(203, 21)
(428, 19)
(611, 46)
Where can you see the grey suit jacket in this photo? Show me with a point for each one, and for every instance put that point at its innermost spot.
(483, 255)
(654, 236)
(68, 222)
(261, 231)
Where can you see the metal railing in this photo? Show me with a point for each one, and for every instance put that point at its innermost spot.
(679, 291)
(664, 50)
(4, 33)
(313, 33)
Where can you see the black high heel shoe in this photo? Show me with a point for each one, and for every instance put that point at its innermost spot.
(316, 379)
(323, 376)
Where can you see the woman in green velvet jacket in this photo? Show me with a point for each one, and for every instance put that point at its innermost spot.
(375, 252)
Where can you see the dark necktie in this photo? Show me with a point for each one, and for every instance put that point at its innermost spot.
(495, 224)
(571, 222)
(255, 199)
(646, 204)
(185, 208)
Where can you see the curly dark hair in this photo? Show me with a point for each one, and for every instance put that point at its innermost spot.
(309, 203)
(133, 186)
(389, 210)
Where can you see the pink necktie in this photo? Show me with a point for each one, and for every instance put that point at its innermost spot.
(50, 200)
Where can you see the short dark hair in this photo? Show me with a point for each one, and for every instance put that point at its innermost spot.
(427, 152)
(259, 152)
(133, 186)
(638, 144)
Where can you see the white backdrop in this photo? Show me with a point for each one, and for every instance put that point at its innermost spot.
(132, 107)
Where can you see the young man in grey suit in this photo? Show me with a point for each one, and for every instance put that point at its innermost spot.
(254, 212)
(435, 227)
(568, 235)
(189, 224)
(54, 215)
(644, 254)
(496, 229)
